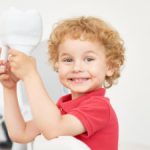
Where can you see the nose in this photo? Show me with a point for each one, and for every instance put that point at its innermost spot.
(78, 66)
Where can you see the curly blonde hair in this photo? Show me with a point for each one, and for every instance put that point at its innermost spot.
(92, 29)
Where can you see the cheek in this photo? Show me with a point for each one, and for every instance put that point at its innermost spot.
(98, 71)
(94, 71)
(62, 72)
(61, 78)
(63, 69)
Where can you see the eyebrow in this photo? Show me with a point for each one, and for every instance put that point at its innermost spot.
(64, 54)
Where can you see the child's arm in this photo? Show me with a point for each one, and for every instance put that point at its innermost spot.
(45, 112)
(19, 130)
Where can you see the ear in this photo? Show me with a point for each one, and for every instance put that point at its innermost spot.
(109, 71)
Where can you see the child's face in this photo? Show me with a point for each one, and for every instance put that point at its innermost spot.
(81, 66)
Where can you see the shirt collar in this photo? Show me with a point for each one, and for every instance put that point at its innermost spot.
(66, 101)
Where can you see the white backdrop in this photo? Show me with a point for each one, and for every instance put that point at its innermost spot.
(130, 97)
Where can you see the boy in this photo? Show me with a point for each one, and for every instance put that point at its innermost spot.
(88, 54)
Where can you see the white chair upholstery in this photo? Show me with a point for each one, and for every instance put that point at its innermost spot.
(60, 143)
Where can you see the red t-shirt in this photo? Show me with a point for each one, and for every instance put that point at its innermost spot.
(98, 117)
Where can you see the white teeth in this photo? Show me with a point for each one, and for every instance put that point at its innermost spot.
(79, 80)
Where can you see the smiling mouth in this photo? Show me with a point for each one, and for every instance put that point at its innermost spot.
(78, 80)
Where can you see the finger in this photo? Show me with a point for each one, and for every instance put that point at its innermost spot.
(8, 65)
(2, 69)
(4, 77)
(13, 67)
(13, 52)
(10, 57)
(3, 62)
(12, 63)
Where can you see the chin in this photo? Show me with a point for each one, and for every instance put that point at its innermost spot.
(81, 90)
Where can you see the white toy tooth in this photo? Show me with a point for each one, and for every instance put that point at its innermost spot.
(21, 30)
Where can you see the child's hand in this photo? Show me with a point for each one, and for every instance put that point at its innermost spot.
(21, 64)
(7, 79)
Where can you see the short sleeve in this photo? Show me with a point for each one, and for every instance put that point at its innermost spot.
(94, 114)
